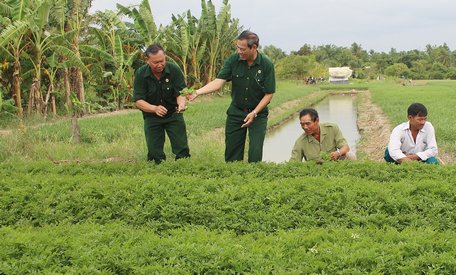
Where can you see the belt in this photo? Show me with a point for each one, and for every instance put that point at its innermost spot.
(247, 110)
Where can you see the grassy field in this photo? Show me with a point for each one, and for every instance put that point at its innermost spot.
(98, 207)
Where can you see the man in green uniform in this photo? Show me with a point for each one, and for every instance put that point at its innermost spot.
(319, 139)
(157, 90)
(253, 85)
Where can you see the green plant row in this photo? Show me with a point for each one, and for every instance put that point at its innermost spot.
(118, 248)
(238, 197)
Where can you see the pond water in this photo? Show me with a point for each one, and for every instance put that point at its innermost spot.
(340, 109)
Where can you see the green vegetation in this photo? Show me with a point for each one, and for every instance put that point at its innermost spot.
(95, 206)
(98, 207)
(58, 60)
(227, 218)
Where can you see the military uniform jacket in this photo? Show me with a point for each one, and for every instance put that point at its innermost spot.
(161, 91)
(249, 83)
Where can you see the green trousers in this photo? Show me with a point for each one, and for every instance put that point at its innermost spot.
(235, 136)
(174, 126)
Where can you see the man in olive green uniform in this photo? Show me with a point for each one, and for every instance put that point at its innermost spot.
(157, 90)
(253, 85)
(319, 139)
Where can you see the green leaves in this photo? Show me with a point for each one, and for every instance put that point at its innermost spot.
(12, 32)
(71, 57)
(227, 218)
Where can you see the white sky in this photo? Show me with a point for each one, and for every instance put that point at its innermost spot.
(288, 24)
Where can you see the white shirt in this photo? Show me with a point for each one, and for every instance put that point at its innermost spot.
(401, 142)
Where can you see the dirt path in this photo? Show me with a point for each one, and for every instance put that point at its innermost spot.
(374, 128)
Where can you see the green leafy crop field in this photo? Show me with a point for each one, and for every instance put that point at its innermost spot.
(349, 217)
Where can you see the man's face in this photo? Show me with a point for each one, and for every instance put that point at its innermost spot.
(244, 51)
(309, 126)
(417, 122)
(156, 61)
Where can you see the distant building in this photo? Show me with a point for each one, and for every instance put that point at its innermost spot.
(339, 75)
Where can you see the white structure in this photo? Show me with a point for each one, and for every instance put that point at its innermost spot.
(339, 75)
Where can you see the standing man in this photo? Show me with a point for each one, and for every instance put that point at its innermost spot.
(253, 85)
(157, 90)
(319, 139)
(414, 139)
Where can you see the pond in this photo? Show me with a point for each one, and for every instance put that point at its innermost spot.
(340, 109)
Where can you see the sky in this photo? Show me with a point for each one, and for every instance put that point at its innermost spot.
(378, 25)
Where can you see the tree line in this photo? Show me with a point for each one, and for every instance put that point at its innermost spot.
(435, 62)
(57, 58)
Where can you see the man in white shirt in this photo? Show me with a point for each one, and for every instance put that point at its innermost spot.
(414, 139)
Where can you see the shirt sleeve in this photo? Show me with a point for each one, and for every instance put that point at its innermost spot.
(179, 81)
(431, 148)
(269, 80)
(394, 144)
(297, 152)
(139, 86)
(338, 137)
(226, 71)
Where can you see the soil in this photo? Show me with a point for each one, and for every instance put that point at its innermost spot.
(374, 128)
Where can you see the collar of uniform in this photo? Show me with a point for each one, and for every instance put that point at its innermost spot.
(323, 133)
(150, 74)
(257, 60)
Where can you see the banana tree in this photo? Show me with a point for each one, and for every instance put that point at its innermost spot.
(220, 31)
(113, 56)
(177, 42)
(45, 40)
(143, 22)
(12, 43)
(75, 20)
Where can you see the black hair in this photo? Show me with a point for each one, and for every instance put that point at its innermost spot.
(311, 112)
(154, 49)
(251, 37)
(417, 109)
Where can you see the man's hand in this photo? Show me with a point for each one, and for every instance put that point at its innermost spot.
(335, 155)
(192, 96)
(160, 111)
(248, 120)
(181, 104)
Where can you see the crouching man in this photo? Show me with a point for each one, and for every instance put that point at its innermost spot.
(319, 140)
(413, 140)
